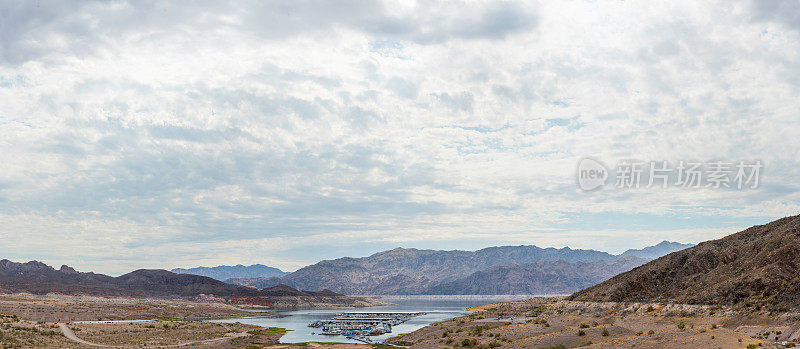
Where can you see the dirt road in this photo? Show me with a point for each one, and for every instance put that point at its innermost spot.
(71, 335)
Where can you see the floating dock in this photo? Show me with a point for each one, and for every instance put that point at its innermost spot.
(362, 324)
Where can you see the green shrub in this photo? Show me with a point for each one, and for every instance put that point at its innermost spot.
(581, 333)
(557, 346)
(605, 332)
(468, 342)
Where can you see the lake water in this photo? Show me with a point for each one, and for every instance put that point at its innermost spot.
(437, 308)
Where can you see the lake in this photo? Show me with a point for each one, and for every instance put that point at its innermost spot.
(437, 308)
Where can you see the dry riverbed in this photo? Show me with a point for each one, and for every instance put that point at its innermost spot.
(555, 323)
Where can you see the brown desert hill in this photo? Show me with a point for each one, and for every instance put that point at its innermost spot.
(412, 271)
(492, 270)
(758, 267)
(38, 278)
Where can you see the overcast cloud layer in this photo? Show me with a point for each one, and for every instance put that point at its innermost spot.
(153, 134)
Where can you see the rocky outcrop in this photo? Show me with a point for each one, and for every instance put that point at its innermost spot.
(758, 267)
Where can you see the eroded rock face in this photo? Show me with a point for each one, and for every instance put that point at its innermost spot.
(759, 266)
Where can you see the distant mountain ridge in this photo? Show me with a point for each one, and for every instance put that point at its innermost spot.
(414, 271)
(540, 278)
(224, 272)
(38, 278)
(661, 249)
(758, 267)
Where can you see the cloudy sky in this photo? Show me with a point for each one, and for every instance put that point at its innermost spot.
(163, 134)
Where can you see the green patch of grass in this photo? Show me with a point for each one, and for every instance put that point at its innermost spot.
(382, 346)
(268, 330)
(556, 346)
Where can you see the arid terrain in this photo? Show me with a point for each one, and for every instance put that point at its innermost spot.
(548, 322)
(38, 278)
(54, 321)
(61, 308)
(758, 267)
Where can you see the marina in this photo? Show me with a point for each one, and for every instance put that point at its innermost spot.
(363, 324)
(435, 308)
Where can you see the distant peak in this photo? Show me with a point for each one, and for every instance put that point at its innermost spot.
(67, 269)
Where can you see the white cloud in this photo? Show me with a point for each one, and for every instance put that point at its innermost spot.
(250, 132)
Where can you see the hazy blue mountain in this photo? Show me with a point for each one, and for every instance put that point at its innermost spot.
(225, 272)
(651, 252)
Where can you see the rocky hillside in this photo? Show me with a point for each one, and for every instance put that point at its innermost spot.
(759, 266)
(224, 272)
(540, 278)
(413, 271)
(39, 278)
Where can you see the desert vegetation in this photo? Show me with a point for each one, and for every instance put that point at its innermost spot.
(557, 323)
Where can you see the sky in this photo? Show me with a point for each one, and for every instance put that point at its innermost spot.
(162, 134)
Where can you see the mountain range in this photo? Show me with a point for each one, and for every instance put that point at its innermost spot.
(545, 277)
(757, 267)
(38, 278)
(224, 272)
(493, 270)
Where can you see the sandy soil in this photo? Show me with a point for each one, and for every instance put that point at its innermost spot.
(555, 323)
(28, 321)
(60, 308)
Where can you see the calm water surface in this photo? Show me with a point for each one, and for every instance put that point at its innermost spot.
(438, 308)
